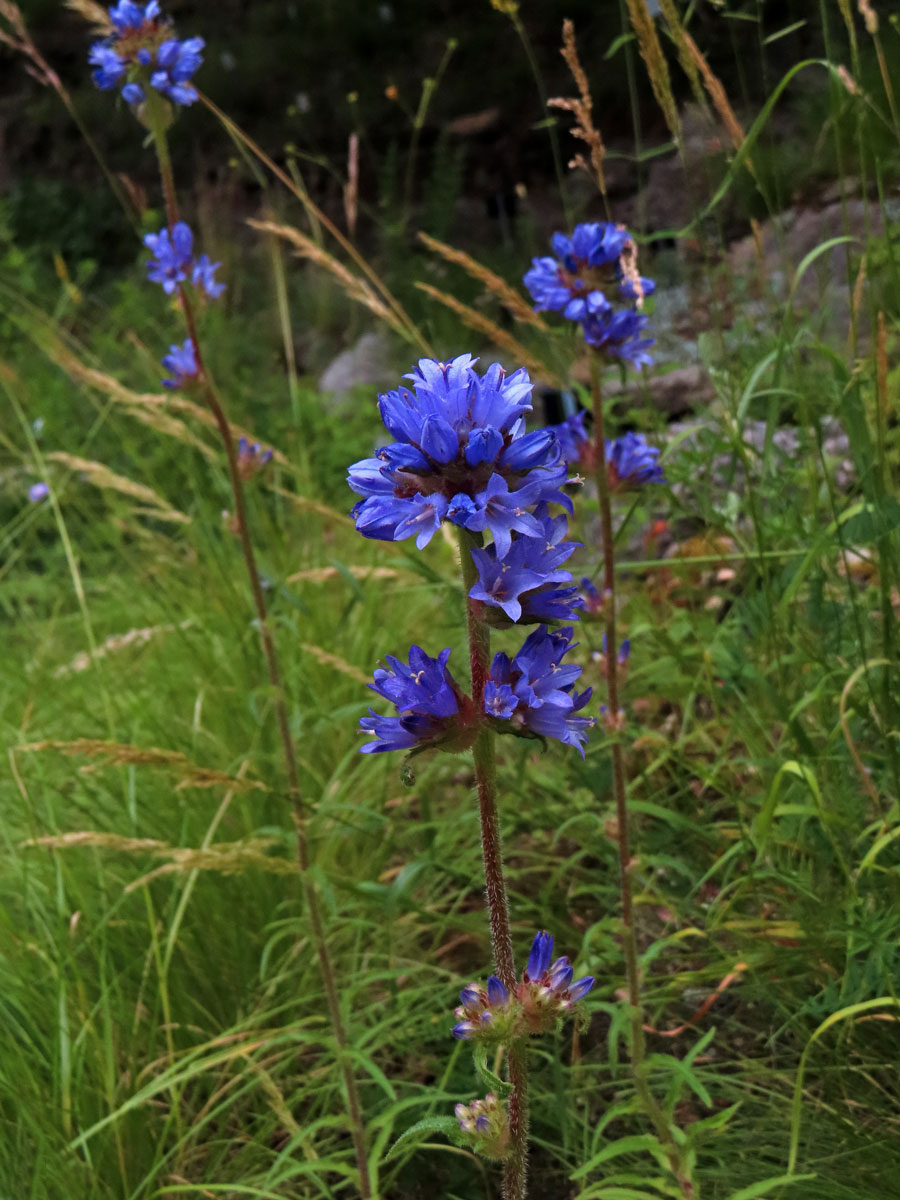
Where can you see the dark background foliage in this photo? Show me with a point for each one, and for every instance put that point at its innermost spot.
(304, 74)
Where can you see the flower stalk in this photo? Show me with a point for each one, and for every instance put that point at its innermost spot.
(637, 1041)
(484, 755)
(156, 119)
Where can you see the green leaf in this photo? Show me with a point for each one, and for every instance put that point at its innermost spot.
(765, 1186)
(711, 1124)
(633, 1144)
(616, 45)
(762, 826)
(446, 1125)
(487, 1076)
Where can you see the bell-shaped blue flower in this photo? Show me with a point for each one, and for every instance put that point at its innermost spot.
(540, 955)
(522, 583)
(632, 461)
(141, 51)
(181, 363)
(542, 685)
(619, 335)
(455, 452)
(432, 710)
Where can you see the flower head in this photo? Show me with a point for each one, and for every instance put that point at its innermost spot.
(461, 454)
(619, 335)
(585, 269)
(533, 691)
(485, 1124)
(524, 583)
(251, 458)
(141, 52)
(38, 491)
(632, 461)
(547, 991)
(484, 1013)
(173, 261)
(432, 709)
(172, 256)
(591, 270)
(181, 362)
(572, 436)
(494, 1013)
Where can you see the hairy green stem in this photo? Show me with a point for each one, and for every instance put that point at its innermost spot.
(298, 807)
(516, 1167)
(637, 1043)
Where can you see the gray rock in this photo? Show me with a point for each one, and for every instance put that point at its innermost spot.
(368, 363)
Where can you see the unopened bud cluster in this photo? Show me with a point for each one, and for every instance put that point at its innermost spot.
(545, 993)
(485, 1126)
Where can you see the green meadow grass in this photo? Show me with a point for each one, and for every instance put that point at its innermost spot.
(164, 1029)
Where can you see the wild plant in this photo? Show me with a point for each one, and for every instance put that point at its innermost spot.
(464, 467)
(153, 69)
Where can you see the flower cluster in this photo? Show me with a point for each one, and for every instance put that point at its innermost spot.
(592, 269)
(462, 455)
(181, 363)
(485, 1124)
(251, 458)
(546, 992)
(525, 584)
(141, 52)
(173, 262)
(433, 710)
(533, 691)
(529, 696)
(630, 459)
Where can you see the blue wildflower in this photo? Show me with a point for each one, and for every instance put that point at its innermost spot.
(109, 67)
(493, 1013)
(181, 362)
(540, 956)
(533, 691)
(484, 1012)
(173, 261)
(176, 62)
(251, 458)
(586, 265)
(461, 454)
(572, 436)
(433, 710)
(632, 461)
(38, 491)
(142, 51)
(619, 335)
(523, 583)
(128, 17)
(172, 256)
(203, 276)
(133, 93)
(592, 244)
(547, 991)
